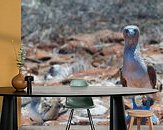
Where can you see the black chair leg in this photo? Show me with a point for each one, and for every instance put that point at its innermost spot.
(69, 120)
(90, 120)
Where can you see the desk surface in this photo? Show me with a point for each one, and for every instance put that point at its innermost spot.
(66, 91)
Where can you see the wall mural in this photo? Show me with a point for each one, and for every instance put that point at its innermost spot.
(71, 39)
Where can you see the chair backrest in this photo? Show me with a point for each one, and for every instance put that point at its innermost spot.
(78, 83)
(79, 102)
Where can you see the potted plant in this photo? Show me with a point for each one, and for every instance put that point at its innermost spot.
(20, 59)
(18, 82)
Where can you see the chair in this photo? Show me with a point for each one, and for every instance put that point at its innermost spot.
(140, 114)
(79, 102)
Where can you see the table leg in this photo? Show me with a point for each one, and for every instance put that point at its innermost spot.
(117, 114)
(9, 113)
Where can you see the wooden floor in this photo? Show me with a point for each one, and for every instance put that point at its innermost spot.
(84, 127)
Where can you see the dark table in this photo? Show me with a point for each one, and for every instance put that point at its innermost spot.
(117, 115)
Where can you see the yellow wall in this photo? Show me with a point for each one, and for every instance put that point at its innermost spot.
(10, 29)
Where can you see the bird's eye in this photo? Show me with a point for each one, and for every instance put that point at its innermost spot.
(126, 30)
(135, 30)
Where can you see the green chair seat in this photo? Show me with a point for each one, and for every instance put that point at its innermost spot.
(79, 102)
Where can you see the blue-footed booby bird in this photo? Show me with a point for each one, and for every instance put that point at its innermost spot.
(135, 72)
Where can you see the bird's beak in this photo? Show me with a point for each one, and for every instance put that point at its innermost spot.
(131, 33)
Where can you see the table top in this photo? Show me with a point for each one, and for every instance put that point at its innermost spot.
(66, 91)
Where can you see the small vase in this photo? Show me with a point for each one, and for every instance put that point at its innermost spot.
(18, 82)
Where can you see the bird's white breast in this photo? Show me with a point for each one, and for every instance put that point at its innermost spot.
(135, 72)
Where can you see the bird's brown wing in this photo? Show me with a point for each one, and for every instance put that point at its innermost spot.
(122, 79)
(152, 75)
